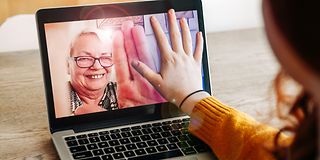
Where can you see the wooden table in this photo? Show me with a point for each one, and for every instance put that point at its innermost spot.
(242, 67)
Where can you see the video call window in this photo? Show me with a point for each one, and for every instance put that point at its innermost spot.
(83, 63)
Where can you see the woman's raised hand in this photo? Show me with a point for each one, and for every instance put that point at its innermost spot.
(180, 71)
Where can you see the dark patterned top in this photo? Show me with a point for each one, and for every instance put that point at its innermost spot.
(108, 101)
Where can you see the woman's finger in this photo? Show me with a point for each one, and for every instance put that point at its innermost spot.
(142, 47)
(130, 46)
(120, 58)
(186, 36)
(175, 36)
(161, 38)
(199, 48)
(153, 77)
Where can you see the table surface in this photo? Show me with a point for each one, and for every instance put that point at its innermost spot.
(242, 67)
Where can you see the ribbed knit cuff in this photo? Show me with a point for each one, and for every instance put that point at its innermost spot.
(207, 116)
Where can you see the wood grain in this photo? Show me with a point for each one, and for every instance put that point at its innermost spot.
(242, 67)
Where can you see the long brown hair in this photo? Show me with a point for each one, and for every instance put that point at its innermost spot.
(302, 118)
(299, 22)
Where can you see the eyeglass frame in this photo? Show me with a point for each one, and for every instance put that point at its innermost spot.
(94, 58)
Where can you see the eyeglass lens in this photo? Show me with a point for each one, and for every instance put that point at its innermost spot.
(86, 62)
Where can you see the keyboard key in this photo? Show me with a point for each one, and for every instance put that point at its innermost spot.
(140, 151)
(103, 132)
(166, 128)
(176, 126)
(109, 150)
(83, 141)
(124, 140)
(173, 139)
(155, 135)
(166, 134)
(92, 146)
(94, 139)
(163, 155)
(135, 127)
(184, 131)
(120, 148)
(176, 132)
(129, 153)
(115, 131)
(183, 138)
(191, 143)
(177, 121)
(81, 136)
(92, 158)
(72, 143)
(161, 148)
(103, 144)
(188, 151)
(118, 155)
(126, 134)
(188, 134)
(156, 124)
(125, 129)
(142, 145)
(77, 149)
(70, 138)
(146, 126)
(195, 139)
(186, 120)
(151, 150)
(185, 125)
(172, 146)
(115, 136)
(105, 138)
(93, 134)
(98, 152)
(114, 143)
(136, 133)
(166, 122)
(135, 139)
(182, 144)
(107, 157)
(156, 129)
(145, 137)
(201, 148)
(152, 143)
(162, 141)
(80, 155)
(131, 146)
(146, 131)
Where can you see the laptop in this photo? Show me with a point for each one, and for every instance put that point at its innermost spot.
(72, 42)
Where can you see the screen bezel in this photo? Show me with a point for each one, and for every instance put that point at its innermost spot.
(79, 13)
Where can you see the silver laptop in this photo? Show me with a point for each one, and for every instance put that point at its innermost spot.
(98, 107)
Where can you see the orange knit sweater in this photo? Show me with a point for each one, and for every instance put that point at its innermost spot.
(232, 135)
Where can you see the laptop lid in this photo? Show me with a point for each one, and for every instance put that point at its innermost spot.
(59, 30)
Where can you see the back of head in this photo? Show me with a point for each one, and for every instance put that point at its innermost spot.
(299, 21)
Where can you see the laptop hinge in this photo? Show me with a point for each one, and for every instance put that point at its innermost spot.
(113, 123)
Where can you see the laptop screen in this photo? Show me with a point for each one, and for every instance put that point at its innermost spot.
(90, 67)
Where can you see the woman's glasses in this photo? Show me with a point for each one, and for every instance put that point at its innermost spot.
(88, 61)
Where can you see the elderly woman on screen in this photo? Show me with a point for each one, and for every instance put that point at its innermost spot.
(90, 67)
(93, 57)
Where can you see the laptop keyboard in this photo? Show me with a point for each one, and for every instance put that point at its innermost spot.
(157, 140)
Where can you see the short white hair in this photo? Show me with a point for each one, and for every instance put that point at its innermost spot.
(103, 35)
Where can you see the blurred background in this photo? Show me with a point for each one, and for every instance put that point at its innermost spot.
(18, 27)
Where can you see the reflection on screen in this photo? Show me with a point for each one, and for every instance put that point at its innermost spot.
(90, 62)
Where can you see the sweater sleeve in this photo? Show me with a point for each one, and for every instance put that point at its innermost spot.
(232, 135)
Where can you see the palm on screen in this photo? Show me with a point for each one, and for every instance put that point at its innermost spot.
(129, 45)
